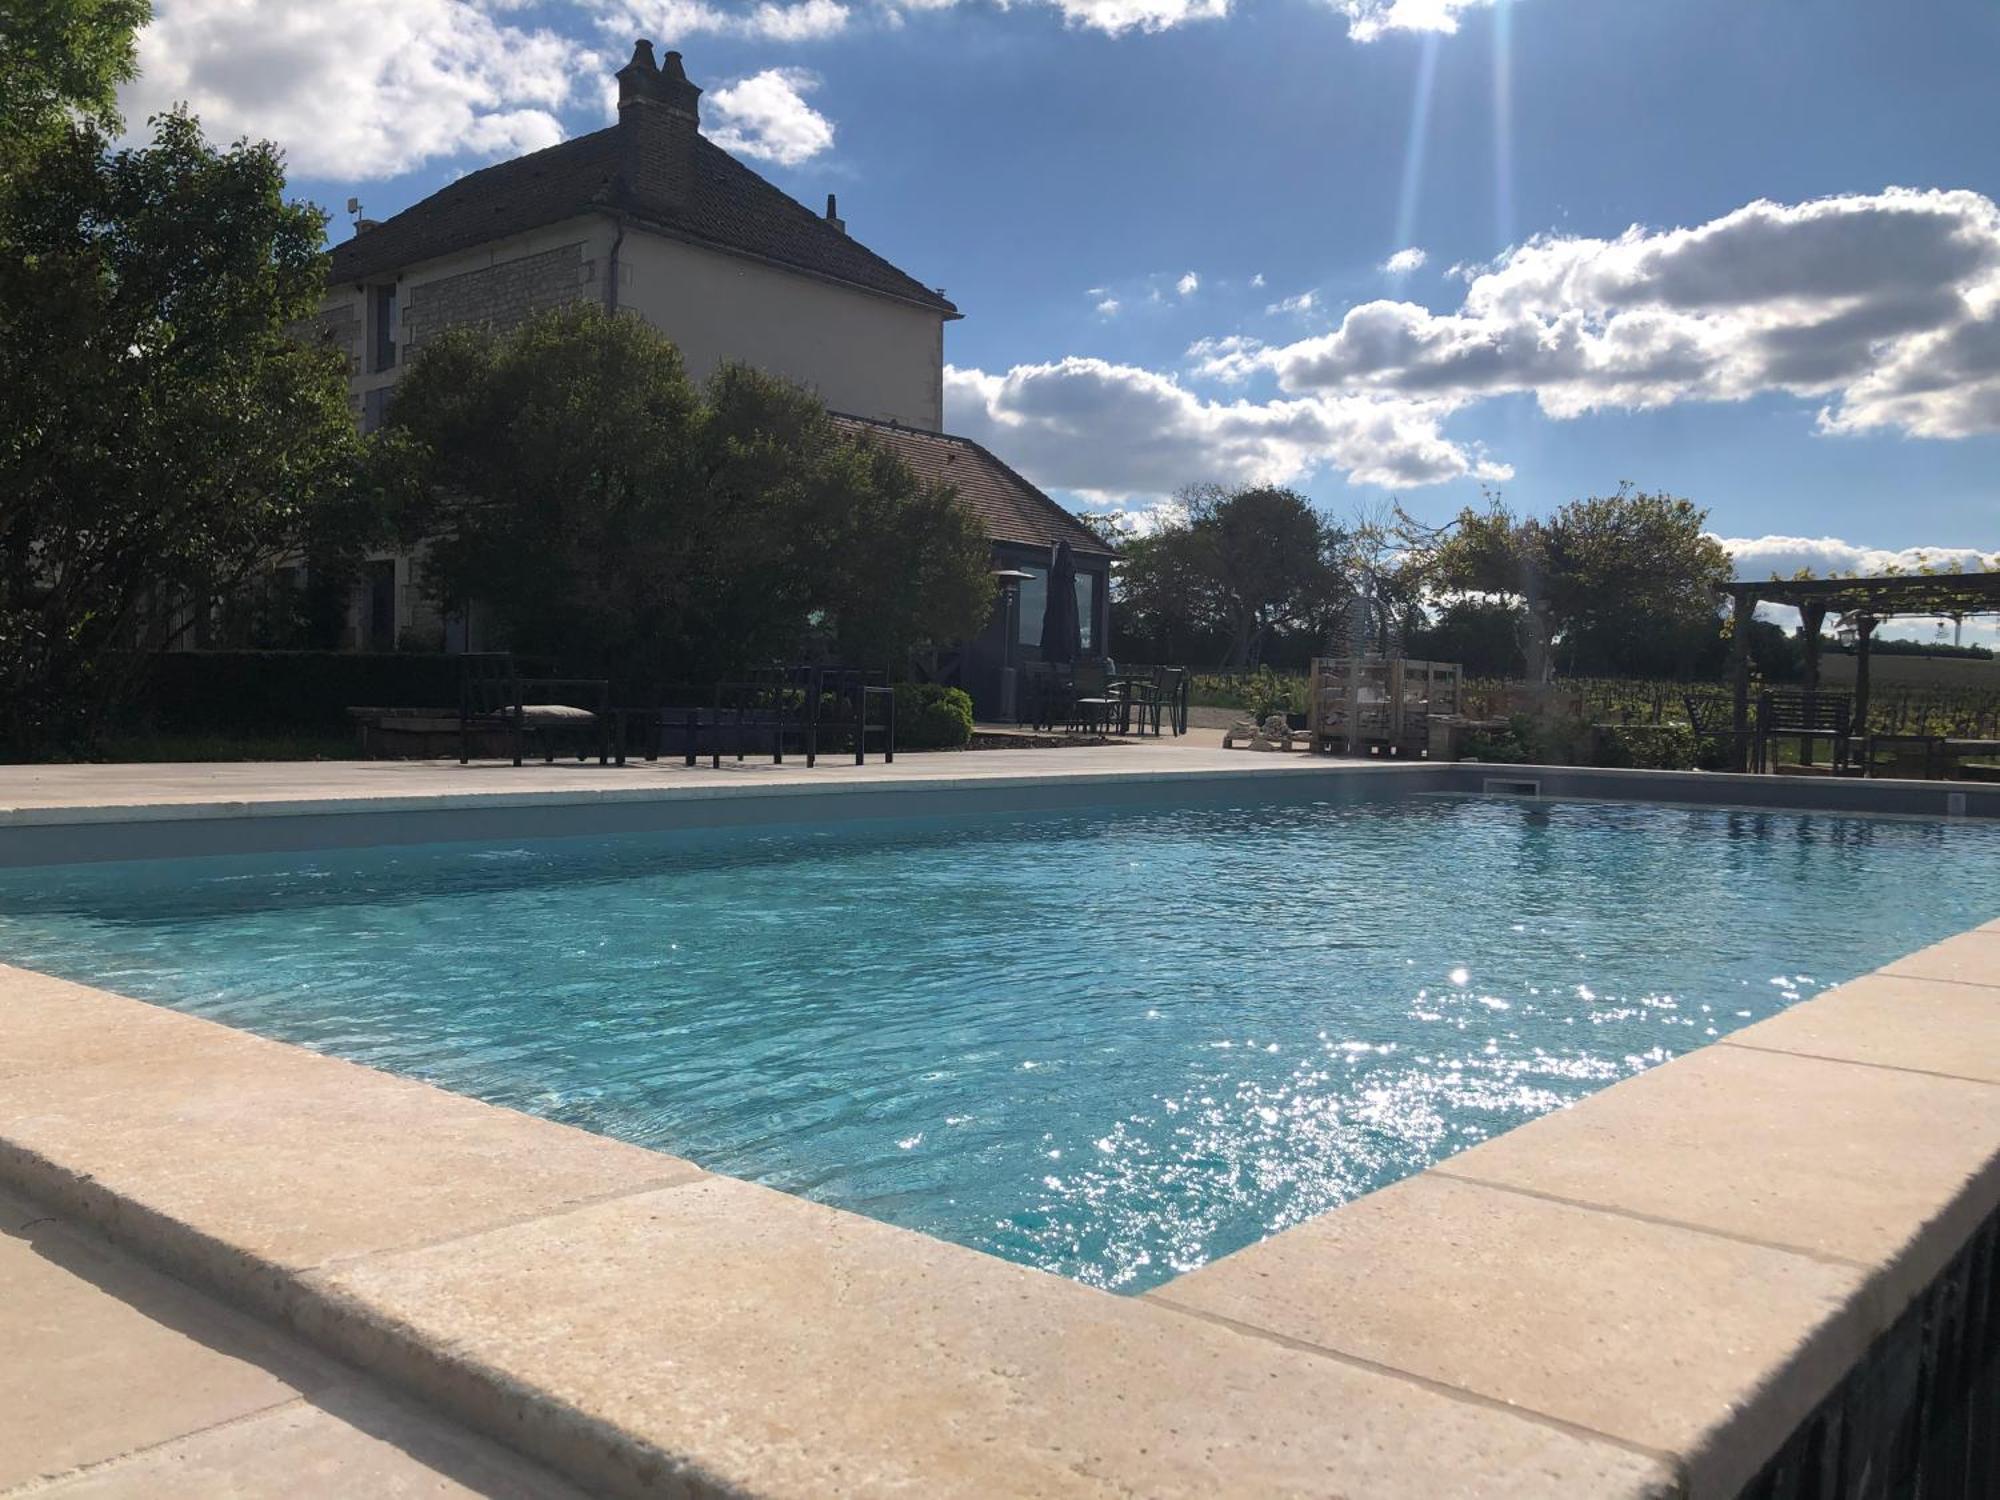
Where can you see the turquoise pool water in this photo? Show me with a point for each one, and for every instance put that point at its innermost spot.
(1112, 1045)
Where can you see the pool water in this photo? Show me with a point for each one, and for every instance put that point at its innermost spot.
(1110, 1045)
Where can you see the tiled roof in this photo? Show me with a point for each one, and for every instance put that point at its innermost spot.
(1012, 509)
(730, 207)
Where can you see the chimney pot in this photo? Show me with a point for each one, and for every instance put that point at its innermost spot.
(638, 80)
(833, 214)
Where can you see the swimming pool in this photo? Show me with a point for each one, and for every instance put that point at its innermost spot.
(1112, 1045)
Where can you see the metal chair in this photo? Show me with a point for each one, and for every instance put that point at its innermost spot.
(1093, 706)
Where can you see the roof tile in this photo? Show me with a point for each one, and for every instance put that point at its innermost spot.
(730, 208)
(1011, 509)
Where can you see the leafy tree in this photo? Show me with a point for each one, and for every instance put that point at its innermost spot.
(1160, 595)
(162, 436)
(1592, 569)
(61, 62)
(570, 480)
(1236, 564)
(1482, 635)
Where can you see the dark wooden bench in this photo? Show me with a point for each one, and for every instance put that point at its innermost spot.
(1807, 718)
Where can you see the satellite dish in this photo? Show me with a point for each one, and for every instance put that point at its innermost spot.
(354, 205)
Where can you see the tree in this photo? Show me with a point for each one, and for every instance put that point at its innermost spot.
(1592, 569)
(1240, 564)
(1481, 635)
(603, 510)
(163, 437)
(61, 62)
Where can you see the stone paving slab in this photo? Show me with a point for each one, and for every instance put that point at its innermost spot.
(727, 1338)
(1970, 958)
(1929, 1025)
(95, 1362)
(368, 1448)
(254, 1157)
(1706, 1349)
(1884, 1169)
(118, 1381)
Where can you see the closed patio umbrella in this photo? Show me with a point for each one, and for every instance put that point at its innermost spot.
(1062, 633)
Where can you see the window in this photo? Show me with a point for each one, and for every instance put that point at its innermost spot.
(381, 612)
(1034, 599)
(382, 322)
(1086, 610)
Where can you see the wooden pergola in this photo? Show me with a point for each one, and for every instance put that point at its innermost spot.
(1860, 603)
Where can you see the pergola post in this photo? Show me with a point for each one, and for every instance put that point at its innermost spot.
(1739, 655)
(1864, 629)
(1812, 615)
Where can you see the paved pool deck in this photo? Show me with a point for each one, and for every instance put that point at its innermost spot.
(75, 791)
(121, 1383)
(1643, 1295)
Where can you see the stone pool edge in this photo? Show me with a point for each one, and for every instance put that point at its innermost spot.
(922, 786)
(1701, 1253)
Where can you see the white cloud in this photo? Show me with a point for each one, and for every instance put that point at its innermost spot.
(1826, 557)
(1114, 17)
(1369, 19)
(766, 116)
(1188, 284)
(1884, 307)
(766, 20)
(1302, 304)
(1403, 262)
(1118, 16)
(1117, 430)
(365, 89)
(1109, 307)
(1759, 557)
(1257, 280)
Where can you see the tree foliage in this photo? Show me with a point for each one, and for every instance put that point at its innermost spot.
(574, 485)
(61, 62)
(162, 434)
(1598, 570)
(1238, 564)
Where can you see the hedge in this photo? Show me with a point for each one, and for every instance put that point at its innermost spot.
(282, 692)
(309, 692)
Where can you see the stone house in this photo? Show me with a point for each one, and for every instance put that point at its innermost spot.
(651, 218)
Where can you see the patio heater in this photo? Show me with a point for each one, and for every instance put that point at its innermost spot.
(1010, 581)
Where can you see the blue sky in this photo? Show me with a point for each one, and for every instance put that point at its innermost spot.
(1170, 223)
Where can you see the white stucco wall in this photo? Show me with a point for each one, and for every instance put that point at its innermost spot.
(865, 354)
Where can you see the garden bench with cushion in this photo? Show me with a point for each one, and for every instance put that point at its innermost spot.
(493, 695)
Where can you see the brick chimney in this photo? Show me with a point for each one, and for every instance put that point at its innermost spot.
(659, 117)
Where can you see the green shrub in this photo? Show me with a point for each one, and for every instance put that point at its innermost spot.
(1551, 740)
(1650, 747)
(1512, 746)
(930, 716)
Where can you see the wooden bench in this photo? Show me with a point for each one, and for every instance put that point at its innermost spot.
(1808, 718)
